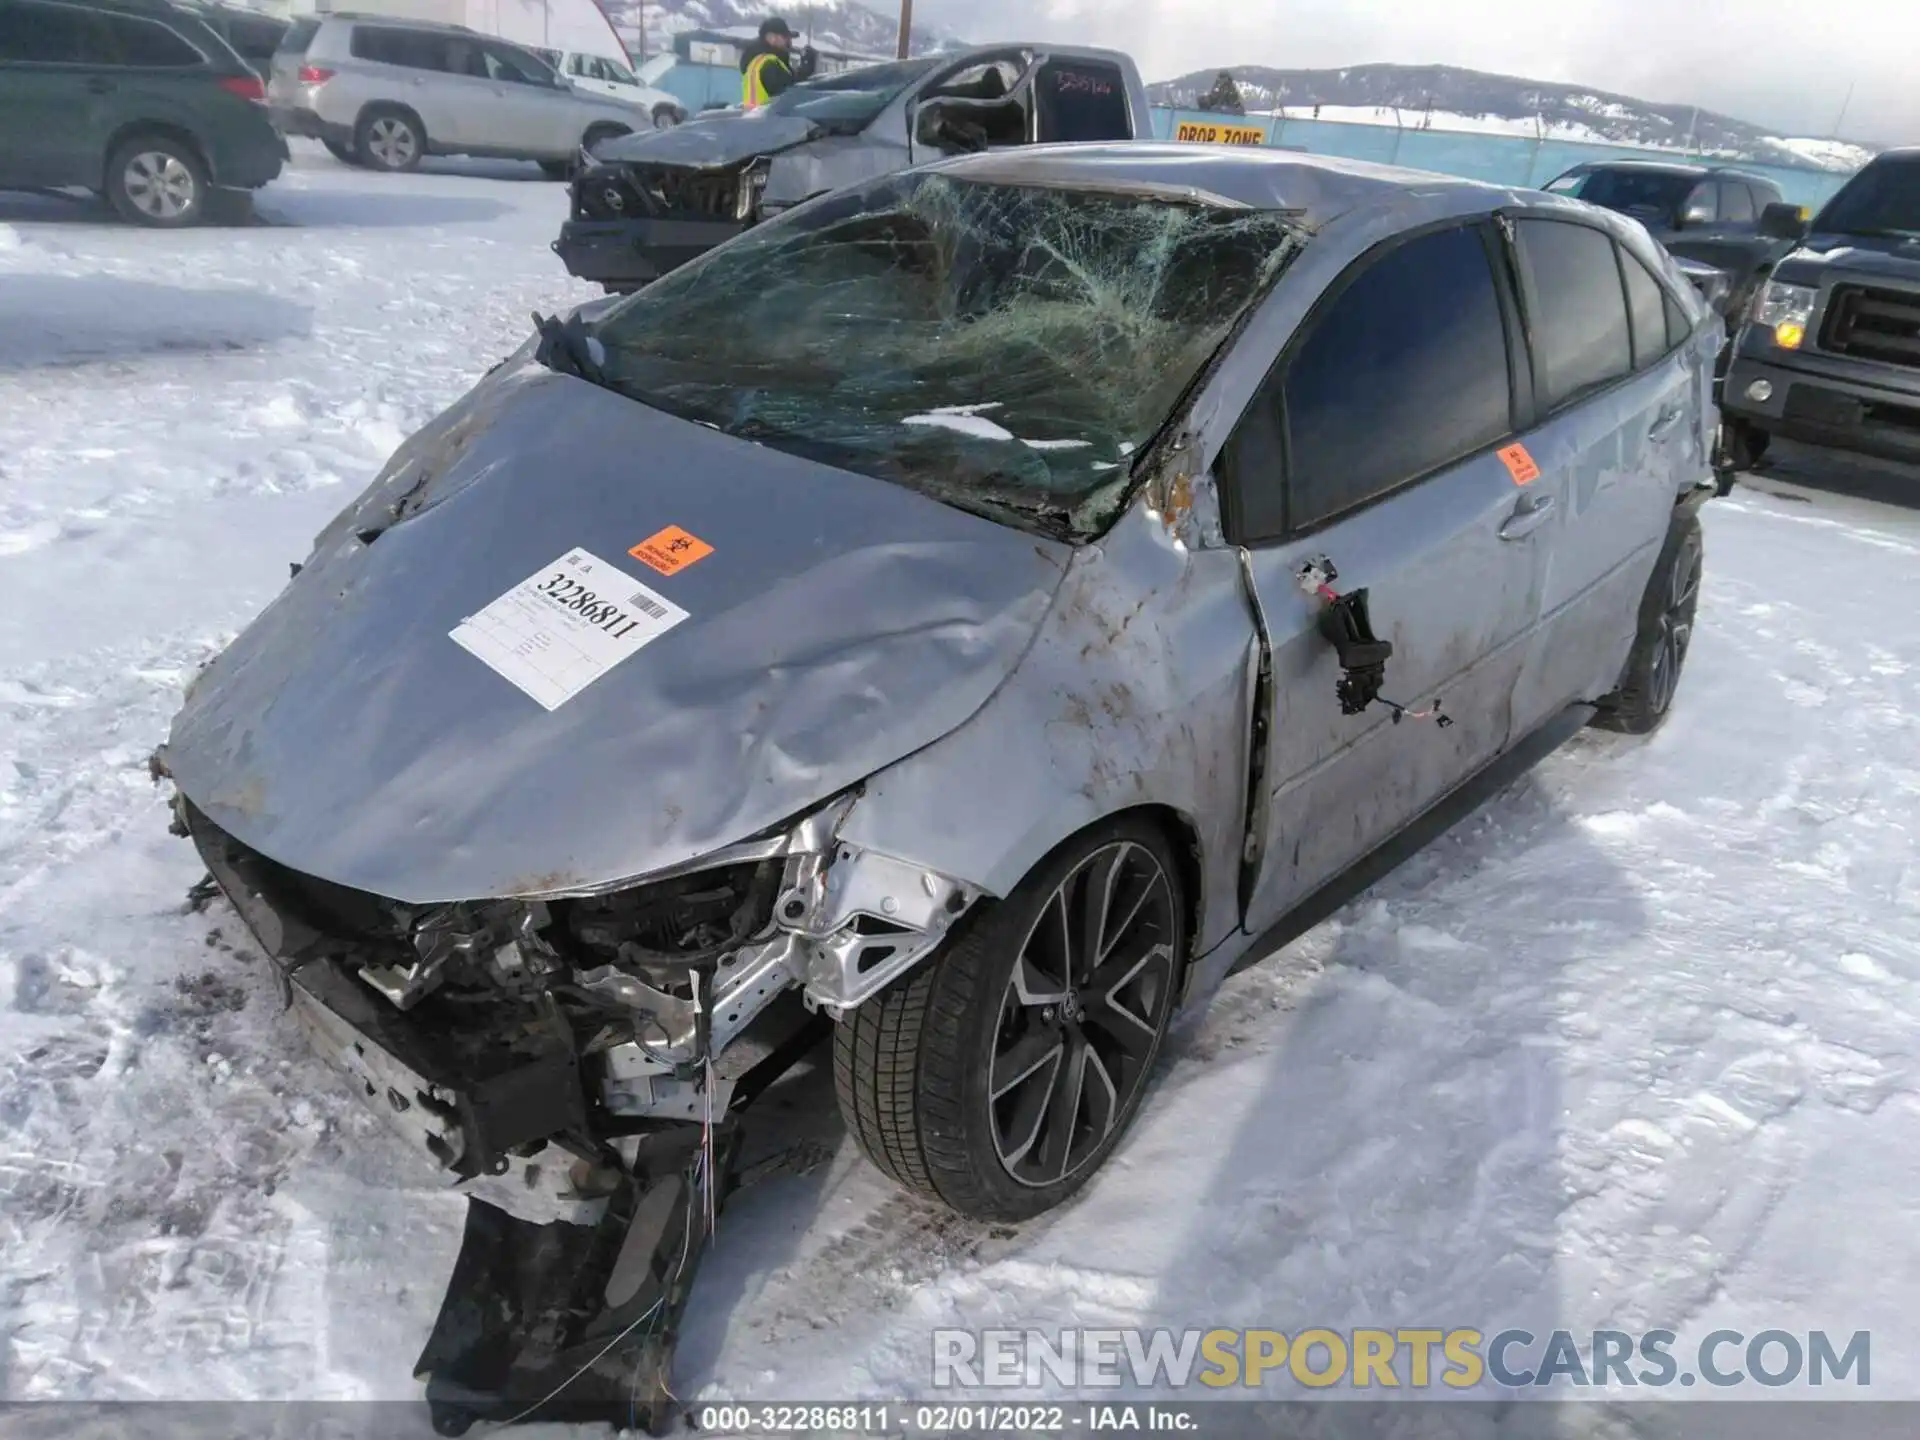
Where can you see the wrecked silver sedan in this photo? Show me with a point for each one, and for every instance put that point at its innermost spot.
(972, 612)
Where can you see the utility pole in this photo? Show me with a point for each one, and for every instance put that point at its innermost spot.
(906, 26)
(1843, 110)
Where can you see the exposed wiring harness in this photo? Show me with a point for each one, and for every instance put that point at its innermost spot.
(1343, 620)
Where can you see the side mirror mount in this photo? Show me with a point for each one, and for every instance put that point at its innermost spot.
(1781, 221)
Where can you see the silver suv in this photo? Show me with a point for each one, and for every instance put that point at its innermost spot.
(384, 93)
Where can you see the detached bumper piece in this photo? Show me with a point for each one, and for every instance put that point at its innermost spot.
(575, 1323)
(633, 223)
(587, 1115)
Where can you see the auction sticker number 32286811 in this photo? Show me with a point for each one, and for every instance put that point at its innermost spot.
(565, 626)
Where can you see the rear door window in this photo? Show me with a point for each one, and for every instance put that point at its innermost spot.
(515, 68)
(1402, 372)
(1647, 309)
(36, 34)
(1081, 100)
(1576, 308)
(1736, 203)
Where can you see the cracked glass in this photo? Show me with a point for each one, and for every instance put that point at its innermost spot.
(1008, 349)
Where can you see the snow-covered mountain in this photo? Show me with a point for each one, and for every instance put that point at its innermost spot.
(1444, 97)
(845, 26)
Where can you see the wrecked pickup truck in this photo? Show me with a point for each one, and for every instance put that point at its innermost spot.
(653, 201)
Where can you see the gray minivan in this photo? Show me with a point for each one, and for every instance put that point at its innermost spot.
(385, 93)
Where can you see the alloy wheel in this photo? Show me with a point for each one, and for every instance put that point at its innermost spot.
(1676, 628)
(1082, 1014)
(159, 185)
(392, 142)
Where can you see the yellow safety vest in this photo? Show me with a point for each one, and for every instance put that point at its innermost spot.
(753, 85)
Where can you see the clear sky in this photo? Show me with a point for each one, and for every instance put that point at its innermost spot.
(1780, 63)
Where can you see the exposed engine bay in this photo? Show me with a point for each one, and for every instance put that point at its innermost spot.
(577, 1065)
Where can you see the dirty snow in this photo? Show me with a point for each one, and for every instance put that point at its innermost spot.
(1634, 1046)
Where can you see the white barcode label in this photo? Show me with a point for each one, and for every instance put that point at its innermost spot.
(565, 626)
(648, 603)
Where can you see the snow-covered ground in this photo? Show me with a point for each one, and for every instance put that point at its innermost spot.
(1635, 1046)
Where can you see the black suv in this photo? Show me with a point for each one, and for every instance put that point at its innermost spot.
(1711, 215)
(1830, 352)
(141, 100)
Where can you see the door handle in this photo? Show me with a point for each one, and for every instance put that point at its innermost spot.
(1663, 427)
(1527, 517)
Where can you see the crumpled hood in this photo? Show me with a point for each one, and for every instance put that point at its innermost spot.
(837, 624)
(1874, 255)
(711, 140)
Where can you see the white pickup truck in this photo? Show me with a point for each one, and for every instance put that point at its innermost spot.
(651, 201)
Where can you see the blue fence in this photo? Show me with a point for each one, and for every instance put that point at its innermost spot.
(1502, 159)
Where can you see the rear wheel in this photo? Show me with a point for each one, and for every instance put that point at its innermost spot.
(390, 139)
(1664, 634)
(156, 180)
(1000, 1075)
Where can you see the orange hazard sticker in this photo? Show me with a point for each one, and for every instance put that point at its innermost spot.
(1515, 457)
(670, 550)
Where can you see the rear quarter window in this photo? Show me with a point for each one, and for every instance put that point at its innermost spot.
(1080, 101)
(1576, 308)
(298, 37)
(147, 45)
(411, 49)
(1647, 310)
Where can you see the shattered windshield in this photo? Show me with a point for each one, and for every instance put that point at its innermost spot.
(1883, 199)
(853, 97)
(1006, 349)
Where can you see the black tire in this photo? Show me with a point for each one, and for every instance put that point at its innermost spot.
(1746, 443)
(915, 1066)
(389, 138)
(344, 153)
(158, 181)
(665, 116)
(1663, 636)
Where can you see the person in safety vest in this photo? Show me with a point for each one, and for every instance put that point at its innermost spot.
(766, 66)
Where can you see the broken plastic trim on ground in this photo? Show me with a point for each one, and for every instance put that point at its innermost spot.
(587, 1214)
(1008, 349)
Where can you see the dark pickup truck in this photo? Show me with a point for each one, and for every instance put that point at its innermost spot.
(1830, 351)
(649, 202)
(1709, 214)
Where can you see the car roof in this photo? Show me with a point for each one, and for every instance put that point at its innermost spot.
(399, 22)
(1319, 187)
(1685, 168)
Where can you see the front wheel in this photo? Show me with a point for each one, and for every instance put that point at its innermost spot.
(1001, 1074)
(1746, 444)
(1664, 633)
(665, 117)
